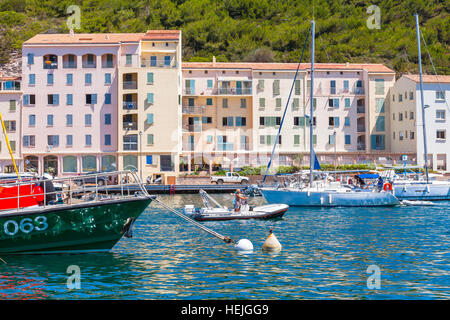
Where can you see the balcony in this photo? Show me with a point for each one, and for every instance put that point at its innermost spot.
(361, 147)
(189, 91)
(130, 85)
(192, 128)
(234, 91)
(129, 105)
(359, 90)
(361, 128)
(130, 126)
(10, 85)
(50, 61)
(225, 146)
(159, 63)
(193, 110)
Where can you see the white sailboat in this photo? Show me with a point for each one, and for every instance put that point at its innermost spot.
(427, 189)
(320, 193)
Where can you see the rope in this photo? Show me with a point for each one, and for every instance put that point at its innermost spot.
(285, 109)
(226, 239)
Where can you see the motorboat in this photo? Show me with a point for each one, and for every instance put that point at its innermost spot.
(213, 211)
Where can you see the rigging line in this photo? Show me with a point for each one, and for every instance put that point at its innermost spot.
(287, 105)
(434, 69)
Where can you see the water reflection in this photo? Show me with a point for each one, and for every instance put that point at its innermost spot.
(325, 254)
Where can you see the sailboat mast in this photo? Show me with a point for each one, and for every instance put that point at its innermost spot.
(311, 155)
(421, 97)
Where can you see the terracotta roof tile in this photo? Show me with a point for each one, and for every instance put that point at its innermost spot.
(429, 78)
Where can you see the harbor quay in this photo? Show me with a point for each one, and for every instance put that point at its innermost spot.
(117, 101)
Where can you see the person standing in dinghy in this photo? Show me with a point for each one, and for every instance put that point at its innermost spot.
(238, 200)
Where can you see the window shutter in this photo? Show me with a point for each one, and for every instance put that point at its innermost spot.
(150, 118)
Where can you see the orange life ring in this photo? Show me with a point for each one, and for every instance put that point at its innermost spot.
(387, 186)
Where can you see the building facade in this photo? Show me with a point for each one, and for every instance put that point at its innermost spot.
(407, 124)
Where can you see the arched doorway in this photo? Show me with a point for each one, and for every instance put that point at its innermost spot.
(51, 165)
(31, 164)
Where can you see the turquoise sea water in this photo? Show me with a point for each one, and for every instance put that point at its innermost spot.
(326, 254)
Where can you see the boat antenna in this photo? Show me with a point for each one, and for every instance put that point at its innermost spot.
(285, 108)
(311, 155)
(421, 97)
(9, 147)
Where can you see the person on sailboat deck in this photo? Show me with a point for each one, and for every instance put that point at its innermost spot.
(380, 183)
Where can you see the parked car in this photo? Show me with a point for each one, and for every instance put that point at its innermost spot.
(96, 178)
(230, 177)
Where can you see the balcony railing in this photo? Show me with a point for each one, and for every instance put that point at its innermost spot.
(129, 85)
(89, 65)
(158, 63)
(192, 128)
(359, 90)
(361, 146)
(235, 91)
(360, 128)
(130, 126)
(50, 65)
(225, 146)
(129, 105)
(69, 65)
(360, 109)
(193, 110)
(189, 91)
(10, 85)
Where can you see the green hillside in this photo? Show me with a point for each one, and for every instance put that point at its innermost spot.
(252, 30)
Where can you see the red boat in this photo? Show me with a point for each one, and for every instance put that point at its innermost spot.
(20, 196)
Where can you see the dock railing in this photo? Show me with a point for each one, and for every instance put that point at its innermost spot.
(67, 191)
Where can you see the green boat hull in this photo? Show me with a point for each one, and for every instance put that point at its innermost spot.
(69, 229)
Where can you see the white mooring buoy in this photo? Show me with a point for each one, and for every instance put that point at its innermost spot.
(271, 244)
(244, 245)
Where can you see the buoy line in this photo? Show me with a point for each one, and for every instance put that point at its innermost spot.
(226, 239)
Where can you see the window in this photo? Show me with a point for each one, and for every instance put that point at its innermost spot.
(29, 141)
(152, 61)
(209, 102)
(167, 60)
(70, 164)
(411, 95)
(129, 59)
(331, 139)
(91, 99)
(31, 120)
(401, 136)
(227, 121)
(206, 120)
(30, 58)
(12, 105)
(149, 160)
(378, 142)
(69, 99)
(88, 140)
(411, 115)
(107, 118)
(149, 77)
(87, 120)
(243, 103)
(379, 86)
(150, 98)
(10, 126)
(333, 87)
(69, 140)
(262, 103)
(150, 139)
(347, 102)
(88, 79)
(276, 87)
(348, 139)
(380, 123)
(29, 99)
(260, 86)
(49, 78)
(333, 103)
(53, 99)
(150, 118)
(209, 84)
(297, 87)
(347, 121)
(107, 78)
(379, 105)
(440, 134)
(49, 120)
(278, 103)
(107, 98)
(400, 116)
(440, 115)
(69, 120)
(296, 121)
(296, 104)
(241, 121)
(440, 95)
(224, 103)
(89, 163)
(400, 97)
(107, 139)
(53, 140)
(69, 79)
(411, 135)
(346, 86)
(130, 142)
(296, 139)
(31, 79)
